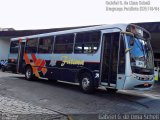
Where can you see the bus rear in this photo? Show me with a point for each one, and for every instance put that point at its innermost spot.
(13, 56)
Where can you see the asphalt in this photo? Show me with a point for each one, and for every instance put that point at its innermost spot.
(68, 102)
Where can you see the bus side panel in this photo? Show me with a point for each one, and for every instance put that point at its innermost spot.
(61, 68)
(53, 73)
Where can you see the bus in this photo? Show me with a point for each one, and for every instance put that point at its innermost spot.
(117, 57)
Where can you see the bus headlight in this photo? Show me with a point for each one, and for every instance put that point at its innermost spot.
(144, 77)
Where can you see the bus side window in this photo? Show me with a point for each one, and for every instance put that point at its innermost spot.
(14, 47)
(45, 45)
(121, 68)
(87, 42)
(31, 45)
(64, 43)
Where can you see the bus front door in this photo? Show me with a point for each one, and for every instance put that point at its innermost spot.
(109, 61)
(20, 57)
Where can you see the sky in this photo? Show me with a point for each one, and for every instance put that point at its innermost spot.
(44, 14)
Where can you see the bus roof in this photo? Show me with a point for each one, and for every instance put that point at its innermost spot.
(122, 27)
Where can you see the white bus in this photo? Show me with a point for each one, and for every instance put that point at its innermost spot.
(118, 57)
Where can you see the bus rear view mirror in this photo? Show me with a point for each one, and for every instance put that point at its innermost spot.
(131, 44)
(131, 41)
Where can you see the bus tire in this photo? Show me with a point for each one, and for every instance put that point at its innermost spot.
(3, 69)
(87, 83)
(111, 90)
(29, 73)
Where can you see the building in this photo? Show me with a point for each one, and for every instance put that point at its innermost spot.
(7, 33)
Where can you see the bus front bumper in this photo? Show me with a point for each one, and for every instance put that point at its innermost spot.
(132, 83)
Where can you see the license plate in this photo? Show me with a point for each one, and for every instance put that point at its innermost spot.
(146, 84)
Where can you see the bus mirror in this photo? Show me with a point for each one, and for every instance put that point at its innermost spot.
(128, 33)
(128, 49)
(132, 37)
(131, 41)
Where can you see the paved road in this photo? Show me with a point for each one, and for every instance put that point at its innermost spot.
(44, 96)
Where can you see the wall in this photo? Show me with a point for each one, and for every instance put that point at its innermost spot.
(4, 48)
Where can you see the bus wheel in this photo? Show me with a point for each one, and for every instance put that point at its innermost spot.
(111, 90)
(86, 83)
(29, 73)
(3, 69)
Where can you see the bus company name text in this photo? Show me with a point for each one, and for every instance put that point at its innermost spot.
(70, 61)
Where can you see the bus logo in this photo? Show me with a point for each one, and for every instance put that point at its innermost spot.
(70, 61)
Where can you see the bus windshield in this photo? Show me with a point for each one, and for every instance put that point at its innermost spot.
(140, 53)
